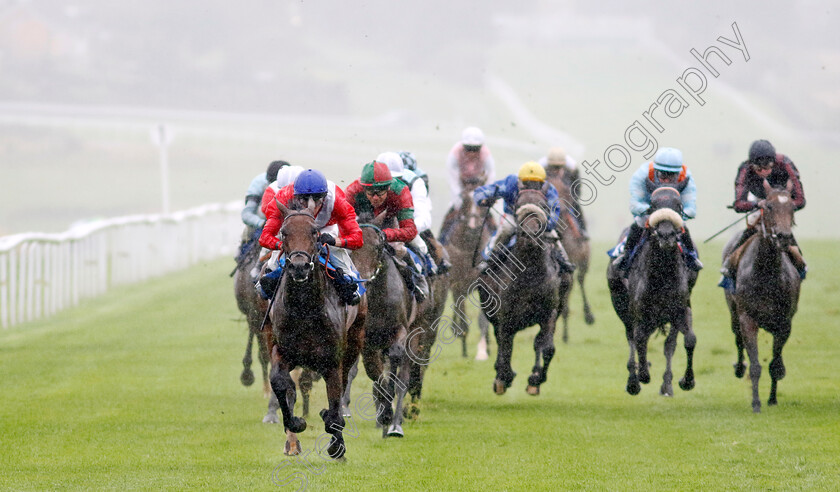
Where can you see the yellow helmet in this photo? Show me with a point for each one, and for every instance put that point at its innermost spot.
(531, 171)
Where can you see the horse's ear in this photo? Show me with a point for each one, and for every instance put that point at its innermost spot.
(379, 219)
(284, 210)
(789, 186)
(766, 185)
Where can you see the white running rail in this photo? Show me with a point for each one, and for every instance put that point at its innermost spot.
(41, 274)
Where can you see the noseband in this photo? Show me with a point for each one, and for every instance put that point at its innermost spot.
(308, 257)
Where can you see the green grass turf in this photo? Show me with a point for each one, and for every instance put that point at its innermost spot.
(139, 389)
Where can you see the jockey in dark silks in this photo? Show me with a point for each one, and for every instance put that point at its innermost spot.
(252, 215)
(764, 163)
(666, 169)
(531, 176)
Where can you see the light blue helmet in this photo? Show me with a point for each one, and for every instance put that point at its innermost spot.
(668, 159)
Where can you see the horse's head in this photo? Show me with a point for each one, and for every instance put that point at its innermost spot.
(777, 216)
(666, 197)
(300, 241)
(370, 258)
(665, 227)
(531, 214)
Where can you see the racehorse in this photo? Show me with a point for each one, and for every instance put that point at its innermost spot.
(391, 311)
(766, 289)
(532, 297)
(311, 327)
(576, 245)
(657, 291)
(254, 308)
(469, 234)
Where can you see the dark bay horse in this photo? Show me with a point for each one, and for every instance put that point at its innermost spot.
(391, 311)
(469, 234)
(766, 290)
(576, 245)
(533, 295)
(657, 292)
(311, 328)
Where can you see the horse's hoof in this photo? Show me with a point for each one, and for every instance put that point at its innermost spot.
(756, 407)
(499, 387)
(345, 412)
(411, 411)
(772, 401)
(740, 369)
(292, 448)
(633, 387)
(664, 391)
(336, 449)
(247, 377)
(395, 431)
(297, 425)
(644, 377)
(589, 318)
(271, 418)
(686, 384)
(482, 355)
(533, 390)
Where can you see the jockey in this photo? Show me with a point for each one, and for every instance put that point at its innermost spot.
(764, 163)
(469, 162)
(310, 187)
(410, 163)
(666, 169)
(531, 176)
(422, 210)
(558, 164)
(252, 215)
(375, 192)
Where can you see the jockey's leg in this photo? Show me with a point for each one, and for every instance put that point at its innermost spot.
(730, 264)
(562, 259)
(267, 285)
(411, 272)
(419, 247)
(348, 290)
(795, 255)
(622, 262)
(439, 253)
(498, 241)
(692, 259)
(448, 222)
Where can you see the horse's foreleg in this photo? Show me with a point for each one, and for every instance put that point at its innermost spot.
(504, 372)
(247, 376)
(670, 346)
(642, 334)
(690, 341)
(374, 368)
(305, 382)
(777, 365)
(749, 335)
(565, 315)
(265, 360)
(633, 386)
(587, 311)
(543, 346)
(482, 352)
(400, 379)
(350, 361)
(284, 388)
(740, 366)
(345, 398)
(333, 421)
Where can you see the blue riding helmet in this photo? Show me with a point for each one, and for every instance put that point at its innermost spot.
(310, 182)
(668, 159)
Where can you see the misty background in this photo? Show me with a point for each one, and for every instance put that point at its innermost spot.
(330, 85)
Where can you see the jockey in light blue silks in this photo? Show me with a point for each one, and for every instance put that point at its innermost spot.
(666, 169)
(531, 176)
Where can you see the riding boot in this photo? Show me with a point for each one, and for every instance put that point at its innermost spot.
(267, 285)
(562, 259)
(622, 261)
(412, 280)
(439, 253)
(347, 290)
(692, 260)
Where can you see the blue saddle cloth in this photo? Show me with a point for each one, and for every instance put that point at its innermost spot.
(349, 277)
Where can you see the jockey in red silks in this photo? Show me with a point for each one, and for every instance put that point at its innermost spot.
(764, 163)
(376, 192)
(334, 216)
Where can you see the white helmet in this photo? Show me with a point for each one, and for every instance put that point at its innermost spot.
(392, 160)
(287, 175)
(472, 136)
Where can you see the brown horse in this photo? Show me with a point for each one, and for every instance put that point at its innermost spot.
(532, 297)
(469, 234)
(576, 244)
(391, 311)
(766, 289)
(311, 327)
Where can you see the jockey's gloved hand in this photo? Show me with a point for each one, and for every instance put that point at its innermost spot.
(325, 238)
(484, 202)
(761, 204)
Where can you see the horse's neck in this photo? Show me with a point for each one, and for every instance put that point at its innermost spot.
(530, 254)
(661, 264)
(768, 258)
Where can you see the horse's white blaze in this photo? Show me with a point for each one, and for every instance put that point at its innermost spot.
(783, 199)
(665, 214)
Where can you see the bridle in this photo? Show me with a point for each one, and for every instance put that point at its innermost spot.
(299, 252)
(380, 253)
